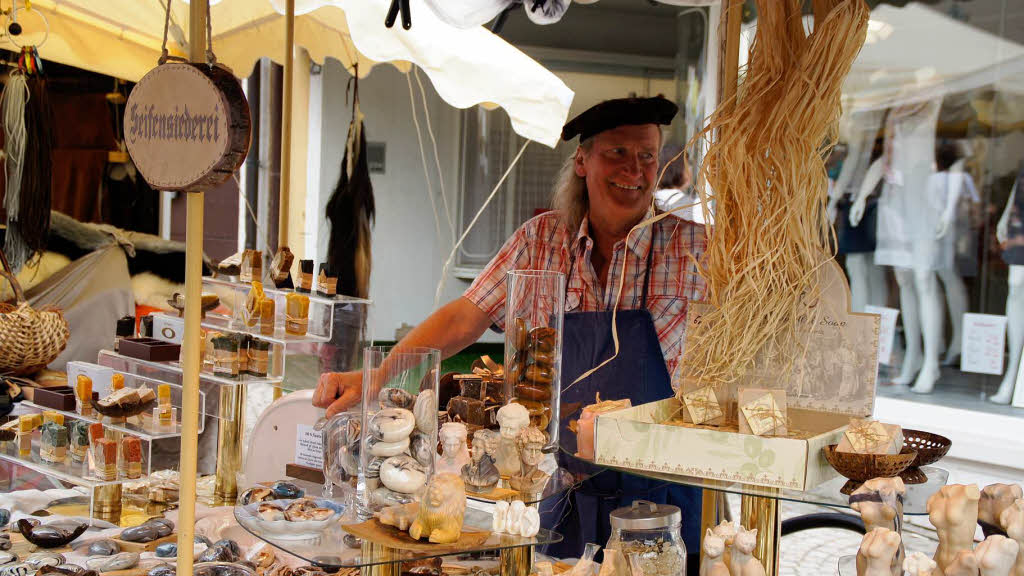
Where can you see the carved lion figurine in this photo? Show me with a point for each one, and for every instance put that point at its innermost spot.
(441, 511)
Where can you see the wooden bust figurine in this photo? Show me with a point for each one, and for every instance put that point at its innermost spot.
(480, 475)
(442, 510)
(1012, 520)
(996, 555)
(880, 503)
(530, 479)
(877, 550)
(953, 510)
(994, 499)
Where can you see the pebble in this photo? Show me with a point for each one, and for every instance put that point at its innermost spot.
(217, 554)
(203, 540)
(121, 561)
(164, 526)
(286, 490)
(231, 545)
(352, 542)
(162, 570)
(104, 547)
(5, 517)
(38, 559)
(5, 541)
(167, 550)
(142, 533)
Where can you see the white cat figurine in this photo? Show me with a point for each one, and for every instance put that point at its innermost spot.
(742, 562)
(996, 555)
(727, 532)
(712, 563)
(877, 549)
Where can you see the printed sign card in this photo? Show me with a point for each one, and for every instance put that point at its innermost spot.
(886, 331)
(983, 345)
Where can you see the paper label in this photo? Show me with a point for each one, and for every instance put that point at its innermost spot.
(984, 341)
(309, 450)
(168, 328)
(886, 332)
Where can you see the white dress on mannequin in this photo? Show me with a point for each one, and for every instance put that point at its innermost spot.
(867, 281)
(1014, 307)
(909, 228)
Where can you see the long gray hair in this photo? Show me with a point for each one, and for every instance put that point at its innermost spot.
(570, 198)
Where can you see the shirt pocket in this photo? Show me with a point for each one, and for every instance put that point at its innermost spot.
(666, 309)
(573, 299)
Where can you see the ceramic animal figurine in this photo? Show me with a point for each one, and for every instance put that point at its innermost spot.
(727, 532)
(964, 563)
(530, 479)
(441, 511)
(742, 562)
(529, 524)
(877, 550)
(953, 510)
(480, 475)
(917, 564)
(880, 503)
(454, 454)
(1012, 520)
(711, 563)
(512, 418)
(994, 499)
(400, 516)
(996, 555)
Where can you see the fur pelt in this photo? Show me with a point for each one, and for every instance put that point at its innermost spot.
(156, 266)
(351, 212)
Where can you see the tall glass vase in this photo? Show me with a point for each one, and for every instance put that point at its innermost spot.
(399, 431)
(535, 308)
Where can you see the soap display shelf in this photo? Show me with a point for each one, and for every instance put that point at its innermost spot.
(131, 427)
(176, 369)
(77, 473)
(328, 549)
(221, 323)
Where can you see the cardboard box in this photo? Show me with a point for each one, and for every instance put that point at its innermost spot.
(833, 381)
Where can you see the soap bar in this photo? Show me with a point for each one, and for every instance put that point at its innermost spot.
(871, 437)
(78, 433)
(53, 444)
(131, 457)
(105, 456)
(467, 410)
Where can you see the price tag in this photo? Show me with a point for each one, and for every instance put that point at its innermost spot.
(886, 331)
(983, 345)
(309, 448)
(168, 328)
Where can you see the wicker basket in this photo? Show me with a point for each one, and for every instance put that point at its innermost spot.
(29, 338)
(864, 467)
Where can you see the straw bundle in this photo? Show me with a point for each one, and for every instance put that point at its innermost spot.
(765, 168)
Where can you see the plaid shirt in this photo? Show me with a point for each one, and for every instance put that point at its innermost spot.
(545, 243)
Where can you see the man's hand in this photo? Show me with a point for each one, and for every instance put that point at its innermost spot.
(338, 391)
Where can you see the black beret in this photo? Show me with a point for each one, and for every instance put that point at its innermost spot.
(619, 112)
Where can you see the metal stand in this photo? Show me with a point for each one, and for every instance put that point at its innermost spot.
(107, 503)
(378, 553)
(763, 513)
(516, 561)
(229, 444)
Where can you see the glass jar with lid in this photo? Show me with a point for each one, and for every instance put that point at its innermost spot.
(651, 532)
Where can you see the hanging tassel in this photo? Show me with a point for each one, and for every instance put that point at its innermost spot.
(34, 203)
(12, 108)
(350, 212)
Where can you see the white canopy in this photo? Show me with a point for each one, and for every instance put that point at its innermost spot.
(122, 38)
(917, 53)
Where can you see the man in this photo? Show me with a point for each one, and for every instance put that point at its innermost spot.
(603, 192)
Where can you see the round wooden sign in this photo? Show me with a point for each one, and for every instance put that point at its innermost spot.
(187, 126)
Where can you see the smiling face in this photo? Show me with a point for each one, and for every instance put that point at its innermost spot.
(621, 169)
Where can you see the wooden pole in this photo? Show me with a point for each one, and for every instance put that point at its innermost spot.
(728, 73)
(190, 368)
(286, 124)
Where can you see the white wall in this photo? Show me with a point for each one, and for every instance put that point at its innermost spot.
(407, 254)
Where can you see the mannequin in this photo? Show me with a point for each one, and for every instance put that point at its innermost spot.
(996, 555)
(953, 510)
(867, 281)
(909, 229)
(1015, 298)
(951, 182)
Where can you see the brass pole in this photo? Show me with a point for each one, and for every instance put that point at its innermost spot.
(286, 124)
(763, 513)
(371, 552)
(230, 429)
(517, 561)
(106, 503)
(190, 368)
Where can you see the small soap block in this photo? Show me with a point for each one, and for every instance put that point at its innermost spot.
(131, 457)
(53, 442)
(326, 281)
(51, 416)
(95, 432)
(467, 410)
(296, 314)
(105, 455)
(305, 283)
(871, 437)
(116, 381)
(702, 405)
(78, 430)
(762, 411)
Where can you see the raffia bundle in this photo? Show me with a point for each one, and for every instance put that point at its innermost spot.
(765, 168)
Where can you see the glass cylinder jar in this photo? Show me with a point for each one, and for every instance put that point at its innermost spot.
(399, 424)
(650, 532)
(534, 310)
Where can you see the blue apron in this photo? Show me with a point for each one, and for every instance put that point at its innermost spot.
(638, 373)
